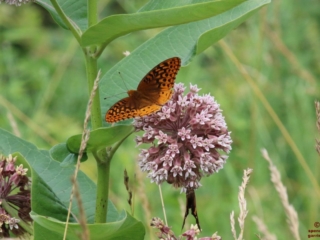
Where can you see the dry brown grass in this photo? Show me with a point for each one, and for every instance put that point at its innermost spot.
(292, 216)
(263, 229)
(242, 205)
(317, 105)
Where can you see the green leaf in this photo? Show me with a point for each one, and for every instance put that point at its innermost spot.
(70, 160)
(219, 31)
(76, 11)
(182, 41)
(43, 233)
(45, 200)
(125, 227)
(100, 138)
(61, 153)
(118, 25)
(52, 184)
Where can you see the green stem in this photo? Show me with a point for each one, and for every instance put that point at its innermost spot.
(103, 162)
(91, 65)
(102, 158)
(103, 181)
(92, 71)
(92, 20)
(102, 191)
(75, 31)
(100, 49)
(92, 12)
(13, 213)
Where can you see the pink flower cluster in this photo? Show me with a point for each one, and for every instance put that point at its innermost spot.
(16, 2)
(14, 197)
(188, 136)
(165, 232)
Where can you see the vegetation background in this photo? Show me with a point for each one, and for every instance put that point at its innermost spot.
(43, 96)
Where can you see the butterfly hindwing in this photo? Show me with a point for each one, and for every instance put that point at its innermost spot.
(120, 111)
(127, 108)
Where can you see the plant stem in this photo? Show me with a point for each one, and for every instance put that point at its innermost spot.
(92, 20)
(91, 65)
(102, 191)
(75, 31)
(92, 12)
(102, 158)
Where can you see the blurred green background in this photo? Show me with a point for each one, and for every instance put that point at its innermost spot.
(43, 96)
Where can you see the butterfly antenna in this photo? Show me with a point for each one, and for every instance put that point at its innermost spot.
(123, 81)
(112, 96)
(118, 93)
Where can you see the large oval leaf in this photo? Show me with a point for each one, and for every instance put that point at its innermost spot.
(183, 41)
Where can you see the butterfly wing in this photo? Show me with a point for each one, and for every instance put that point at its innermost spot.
(133, 106)
(158, 83)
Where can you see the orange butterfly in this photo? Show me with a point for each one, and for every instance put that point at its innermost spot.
(154, 90)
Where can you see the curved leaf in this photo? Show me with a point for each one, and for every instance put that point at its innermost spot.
(61, 153)
(125, 227)
(76, 11)
(118, 25)
(100, 138)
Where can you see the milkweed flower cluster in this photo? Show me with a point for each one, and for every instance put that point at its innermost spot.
(16, 2)
(188, 135)
(165, 232)
(15, 204)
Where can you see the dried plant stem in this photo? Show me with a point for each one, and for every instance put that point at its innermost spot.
(162, 204)
(242, 205)
(292, 216)
(84, 140)
(233, 229)
(143, 198)
(273, 115)
(317, 105)
(82, 220)
(263, 229)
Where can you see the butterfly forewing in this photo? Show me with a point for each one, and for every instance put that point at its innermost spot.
(154, 90)
(157, 84)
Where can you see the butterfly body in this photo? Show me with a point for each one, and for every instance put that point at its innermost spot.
(154, 90)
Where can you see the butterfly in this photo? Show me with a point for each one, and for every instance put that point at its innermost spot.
(153, 91)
